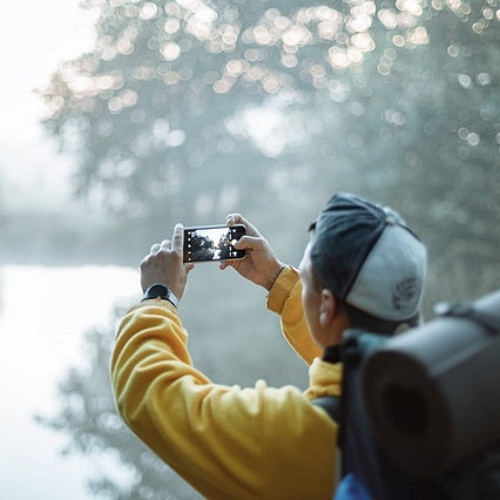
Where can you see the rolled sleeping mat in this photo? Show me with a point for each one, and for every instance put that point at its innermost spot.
(433, 394)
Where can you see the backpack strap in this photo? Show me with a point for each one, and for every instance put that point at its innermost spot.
(331, 404)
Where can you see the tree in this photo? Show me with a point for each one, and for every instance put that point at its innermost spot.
(406, 89)
(147, 110)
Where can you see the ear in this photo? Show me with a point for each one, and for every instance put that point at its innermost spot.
(328, 308)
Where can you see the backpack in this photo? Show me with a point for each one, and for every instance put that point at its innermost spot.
(368, 469)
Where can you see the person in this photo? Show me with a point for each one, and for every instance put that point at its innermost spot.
(363, 267)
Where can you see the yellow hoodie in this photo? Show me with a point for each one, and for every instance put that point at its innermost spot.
(227, 442)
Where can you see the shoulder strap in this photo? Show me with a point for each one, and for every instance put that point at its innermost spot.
(331, 404)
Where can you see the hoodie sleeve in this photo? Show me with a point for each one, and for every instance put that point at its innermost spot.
(285, 299)
(227, 442)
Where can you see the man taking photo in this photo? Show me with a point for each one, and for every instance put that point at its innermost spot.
(362, 268)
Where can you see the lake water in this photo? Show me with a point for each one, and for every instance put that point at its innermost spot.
(44, 313)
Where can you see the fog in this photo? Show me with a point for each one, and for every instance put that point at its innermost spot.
(108, 138)
(41, 309)
(44, 313)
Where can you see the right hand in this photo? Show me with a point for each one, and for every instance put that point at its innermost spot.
(164, 264)
(260, 264)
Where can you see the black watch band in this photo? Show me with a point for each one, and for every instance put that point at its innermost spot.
(159, 291)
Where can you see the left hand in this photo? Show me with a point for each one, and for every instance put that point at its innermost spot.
(260, 264)
(164, 264)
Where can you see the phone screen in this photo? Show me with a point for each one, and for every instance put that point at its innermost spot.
(212, 243)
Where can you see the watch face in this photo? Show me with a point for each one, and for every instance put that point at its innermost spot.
(158, 291)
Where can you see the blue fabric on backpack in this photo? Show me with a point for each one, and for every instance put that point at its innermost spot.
(350, 488)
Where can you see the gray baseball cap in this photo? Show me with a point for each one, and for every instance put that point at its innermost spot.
(367, 256)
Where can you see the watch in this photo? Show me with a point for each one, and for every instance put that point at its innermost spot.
(159, 291)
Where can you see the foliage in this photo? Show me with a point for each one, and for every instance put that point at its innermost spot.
(158, 113)
(417, 126)
(147, 111)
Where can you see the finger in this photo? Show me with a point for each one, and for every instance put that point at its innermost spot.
(236, 218)
(233, 219)
(249, 243)
(155, 248)
(178, 238)
(165, 245)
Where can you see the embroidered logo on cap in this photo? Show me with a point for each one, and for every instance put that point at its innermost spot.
(405, 294)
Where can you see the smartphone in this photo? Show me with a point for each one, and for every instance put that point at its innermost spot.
(212, 243)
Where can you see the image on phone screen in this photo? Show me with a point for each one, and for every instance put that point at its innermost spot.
(212, 243)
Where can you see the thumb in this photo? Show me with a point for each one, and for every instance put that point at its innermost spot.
(178, 238)
(249, 243)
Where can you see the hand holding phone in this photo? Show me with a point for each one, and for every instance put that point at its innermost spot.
(261, 265)
(163, 265)
(212, 243)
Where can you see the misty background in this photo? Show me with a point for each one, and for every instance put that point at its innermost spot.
(121, 118)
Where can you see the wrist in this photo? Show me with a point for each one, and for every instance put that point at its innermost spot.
(160, 291)
(273, 276)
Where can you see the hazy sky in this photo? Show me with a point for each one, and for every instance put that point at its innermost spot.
(34, 37)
